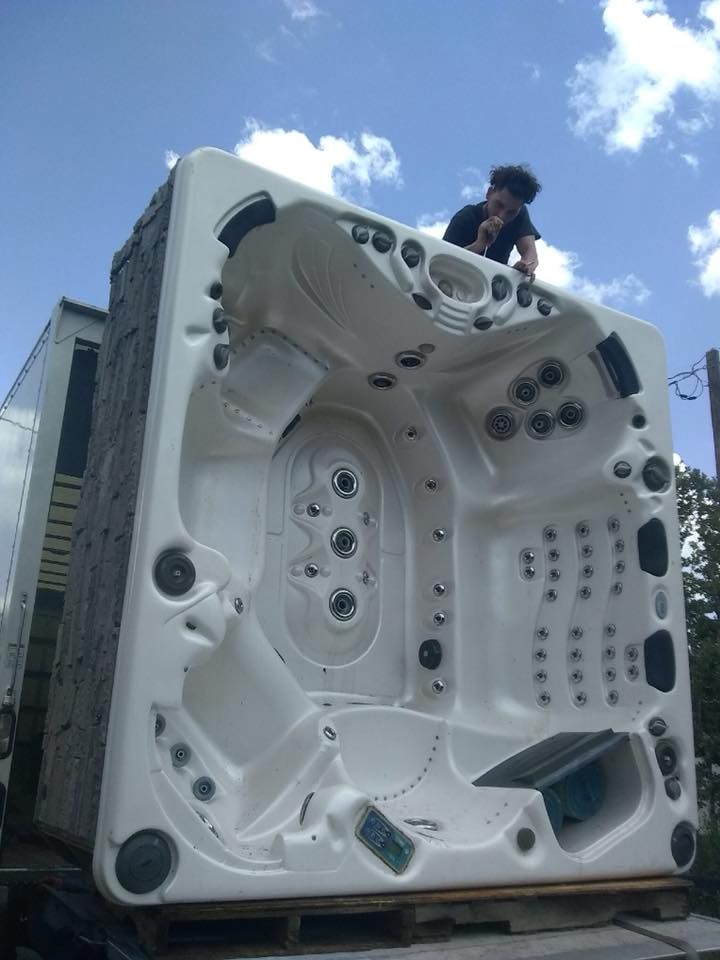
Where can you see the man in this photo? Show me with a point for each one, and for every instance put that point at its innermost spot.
(502, 222)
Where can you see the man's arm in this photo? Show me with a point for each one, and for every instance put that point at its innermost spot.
(528, 261)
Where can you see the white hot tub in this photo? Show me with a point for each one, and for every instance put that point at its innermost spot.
(404, 608)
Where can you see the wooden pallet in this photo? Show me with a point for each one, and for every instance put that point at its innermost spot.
(317, 925)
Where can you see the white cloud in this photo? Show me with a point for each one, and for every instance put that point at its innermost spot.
(171, 158)
(266, 51)
(620, 290)
(336, 165)
(705, 245)
(433, 224)
(535, 71)
(302, 9)
(289, 35)
(476, 186)
(691, 160)
(562, 269)
(624, 94)
(472, 192)
(556, 266)
(694, 125)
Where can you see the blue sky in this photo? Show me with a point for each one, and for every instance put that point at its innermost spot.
(402, 105)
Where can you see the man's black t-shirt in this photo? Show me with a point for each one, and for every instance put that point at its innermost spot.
(462, 231)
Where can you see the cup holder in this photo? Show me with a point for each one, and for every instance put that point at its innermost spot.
(457, 280)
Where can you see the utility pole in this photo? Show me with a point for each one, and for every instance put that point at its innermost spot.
(712, 361)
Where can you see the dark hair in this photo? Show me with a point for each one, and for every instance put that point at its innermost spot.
(519, 180)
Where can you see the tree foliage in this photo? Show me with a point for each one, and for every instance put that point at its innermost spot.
(699, 513)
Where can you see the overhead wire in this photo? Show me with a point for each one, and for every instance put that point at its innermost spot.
(692, 377)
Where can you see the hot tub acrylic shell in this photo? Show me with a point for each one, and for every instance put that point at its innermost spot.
(362, 443)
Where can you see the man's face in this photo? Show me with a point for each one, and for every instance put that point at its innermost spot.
(503, 204)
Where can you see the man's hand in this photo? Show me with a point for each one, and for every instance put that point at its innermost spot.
(528, 261)
(488, 231)
(486, 235)
(527, 266)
